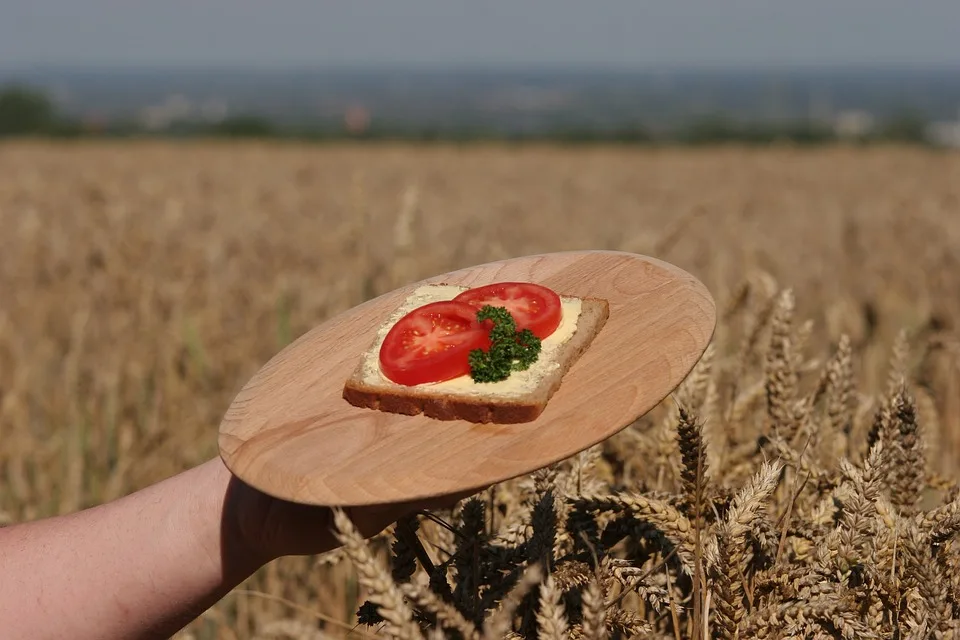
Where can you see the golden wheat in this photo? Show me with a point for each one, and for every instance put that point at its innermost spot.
(800, 482)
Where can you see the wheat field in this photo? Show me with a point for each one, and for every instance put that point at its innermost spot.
(142, 283)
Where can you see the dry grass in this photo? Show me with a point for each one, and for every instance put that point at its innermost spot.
(142, 284)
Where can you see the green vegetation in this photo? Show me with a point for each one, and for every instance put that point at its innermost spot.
(25, 111)
(510, 350)
(718, 129)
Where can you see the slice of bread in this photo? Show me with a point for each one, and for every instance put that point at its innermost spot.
(520, 398)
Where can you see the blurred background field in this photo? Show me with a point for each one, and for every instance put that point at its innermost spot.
(174, 211)
(145, 282)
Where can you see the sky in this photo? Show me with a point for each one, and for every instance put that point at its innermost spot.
(415, 33)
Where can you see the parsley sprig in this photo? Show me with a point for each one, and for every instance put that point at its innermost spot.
(510, 350)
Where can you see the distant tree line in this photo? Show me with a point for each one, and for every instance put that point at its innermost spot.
(25, 111)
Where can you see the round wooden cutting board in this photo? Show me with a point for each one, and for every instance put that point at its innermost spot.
(290, 433)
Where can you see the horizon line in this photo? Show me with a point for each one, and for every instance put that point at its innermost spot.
(474, 67)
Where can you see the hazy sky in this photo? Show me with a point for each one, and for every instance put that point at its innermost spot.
(622, 32)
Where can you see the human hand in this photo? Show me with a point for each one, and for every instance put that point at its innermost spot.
(264, 528)
(144, 565)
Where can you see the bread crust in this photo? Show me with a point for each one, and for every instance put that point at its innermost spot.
(446, 406)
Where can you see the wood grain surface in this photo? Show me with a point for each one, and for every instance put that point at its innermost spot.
(290, 433)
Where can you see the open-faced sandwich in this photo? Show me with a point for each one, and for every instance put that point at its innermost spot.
(495, 353)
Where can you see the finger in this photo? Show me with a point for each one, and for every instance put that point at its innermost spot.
(373, 519)
(449, 500)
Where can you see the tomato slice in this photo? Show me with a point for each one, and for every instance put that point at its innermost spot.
(432, 343)
(532, 306)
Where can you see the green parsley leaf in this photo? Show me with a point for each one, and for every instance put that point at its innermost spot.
(510, 350)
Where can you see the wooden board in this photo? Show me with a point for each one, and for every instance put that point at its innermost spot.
(290, 433)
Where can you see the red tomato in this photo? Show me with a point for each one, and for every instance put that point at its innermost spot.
(533, 306)
(432, 343)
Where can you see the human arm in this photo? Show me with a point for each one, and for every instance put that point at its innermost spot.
(147, 564)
